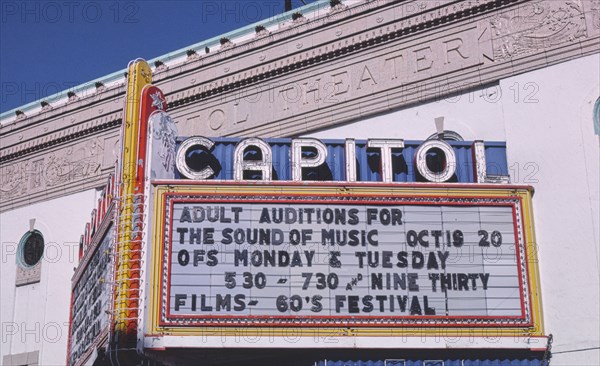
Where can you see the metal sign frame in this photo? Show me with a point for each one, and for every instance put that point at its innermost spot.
(106, 277)
(517, 197)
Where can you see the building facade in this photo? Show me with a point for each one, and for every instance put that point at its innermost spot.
(522, 73)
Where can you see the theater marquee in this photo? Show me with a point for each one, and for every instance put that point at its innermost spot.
(366, 257)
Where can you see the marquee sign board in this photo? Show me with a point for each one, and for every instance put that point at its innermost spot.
(92, 287)
(92, 294)
(362, 256)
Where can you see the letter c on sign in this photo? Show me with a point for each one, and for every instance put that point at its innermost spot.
(181, 164)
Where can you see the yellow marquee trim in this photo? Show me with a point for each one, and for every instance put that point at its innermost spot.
(139, 75)
(523, 193)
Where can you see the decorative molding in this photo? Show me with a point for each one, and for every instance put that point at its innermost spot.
(61, 137)
(92, 182)
(60, 122)
(42, 176)
(337, 84)
(595, 14)
(164, 141)
(28, 275)
(537, 26)
(402, 29)
(415, 18)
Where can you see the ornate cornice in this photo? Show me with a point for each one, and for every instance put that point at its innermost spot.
(60, 137)
(61, 124)
(423, 17)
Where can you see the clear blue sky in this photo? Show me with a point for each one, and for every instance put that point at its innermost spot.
(50, 46)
